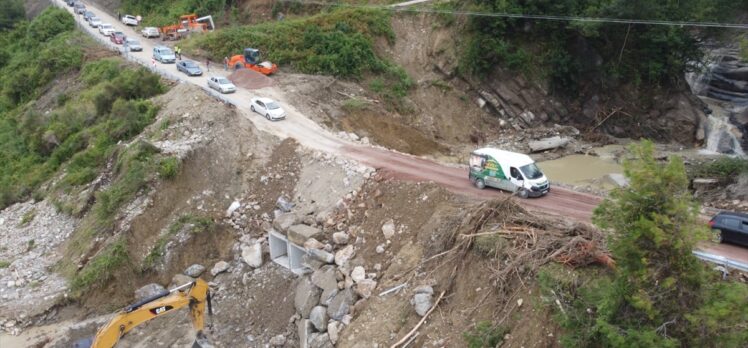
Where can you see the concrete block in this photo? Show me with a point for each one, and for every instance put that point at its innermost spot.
(298, 234)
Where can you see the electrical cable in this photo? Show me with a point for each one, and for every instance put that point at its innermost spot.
(396, 8)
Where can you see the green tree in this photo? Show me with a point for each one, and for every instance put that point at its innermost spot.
(661, 294)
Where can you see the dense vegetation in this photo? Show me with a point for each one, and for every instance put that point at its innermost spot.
(339, 43)
(81, 128)
(660, 294)
(578, 54)
(12, 12)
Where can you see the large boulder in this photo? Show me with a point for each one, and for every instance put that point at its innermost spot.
(320, 341)
(422, 299)
(358, 274)
(284, 221)
(306, 297)
(252, 254)
(319, 318)
(195, 270)
(344, 255)
(365, 287)
(341, 304)
(219, 267)
(149, 290)
(324, 278)
(298, 234)
(321, 255)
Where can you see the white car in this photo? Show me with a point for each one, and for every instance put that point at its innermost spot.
(268, 108)
(106, 29)
(129, 20)
(221, 84)
(149, 32)
(94, 22)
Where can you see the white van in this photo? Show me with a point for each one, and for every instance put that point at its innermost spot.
(510, 171)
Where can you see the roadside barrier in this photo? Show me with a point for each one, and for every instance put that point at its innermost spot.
(722, 261)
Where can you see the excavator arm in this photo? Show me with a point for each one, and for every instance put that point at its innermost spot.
(195, 295)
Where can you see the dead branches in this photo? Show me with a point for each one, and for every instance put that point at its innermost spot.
(527, 242)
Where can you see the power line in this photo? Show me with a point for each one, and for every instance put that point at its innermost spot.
(396, 8)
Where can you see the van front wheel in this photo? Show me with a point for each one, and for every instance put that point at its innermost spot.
(480, 184)
(523, 193)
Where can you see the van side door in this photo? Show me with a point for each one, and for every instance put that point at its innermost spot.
(515, 178)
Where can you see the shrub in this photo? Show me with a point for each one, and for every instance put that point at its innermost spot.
(101, 268)
(196, 223)
(724, 168)
(169, 167)
(484, 335)
(355, 104)
(4, 264)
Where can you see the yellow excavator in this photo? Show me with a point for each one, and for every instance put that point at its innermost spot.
(195, 294)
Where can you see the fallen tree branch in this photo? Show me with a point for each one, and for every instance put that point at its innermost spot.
(605, 119)
(407, 336)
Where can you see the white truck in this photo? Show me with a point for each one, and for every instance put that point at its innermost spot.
(129, 20)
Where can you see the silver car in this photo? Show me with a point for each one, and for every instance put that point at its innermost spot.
(133, 45)
(221, 84)
(149, 32)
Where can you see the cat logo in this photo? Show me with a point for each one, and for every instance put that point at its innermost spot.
(161, 310)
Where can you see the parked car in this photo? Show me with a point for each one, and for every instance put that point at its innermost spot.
(88, 15)
(70, 2)
(149, 32)
(129, 20)
(133, 45)
(221, 84)
(106, 29)
(164, 54)
(189, 67)
(730, 227)
(94, 22)
(79, 8)
(117, 37)
(268, 108)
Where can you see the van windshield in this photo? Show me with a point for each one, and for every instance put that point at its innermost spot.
(531, 171)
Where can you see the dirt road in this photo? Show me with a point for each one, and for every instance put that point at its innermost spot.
(559, 201)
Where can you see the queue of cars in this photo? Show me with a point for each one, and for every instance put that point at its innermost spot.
(266, 107)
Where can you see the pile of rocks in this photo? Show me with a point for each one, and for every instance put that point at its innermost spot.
(327, 299)
(30, 236)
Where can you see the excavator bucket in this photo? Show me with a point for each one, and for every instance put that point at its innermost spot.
(201, 341)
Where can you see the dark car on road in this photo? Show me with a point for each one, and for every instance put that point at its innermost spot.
(730, 227)
(189, 67)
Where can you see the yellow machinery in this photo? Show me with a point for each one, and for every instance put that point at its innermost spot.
(194, 294)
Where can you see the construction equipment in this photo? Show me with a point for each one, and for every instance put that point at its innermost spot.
(195, 294)
(251, 60)
(187, 24)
